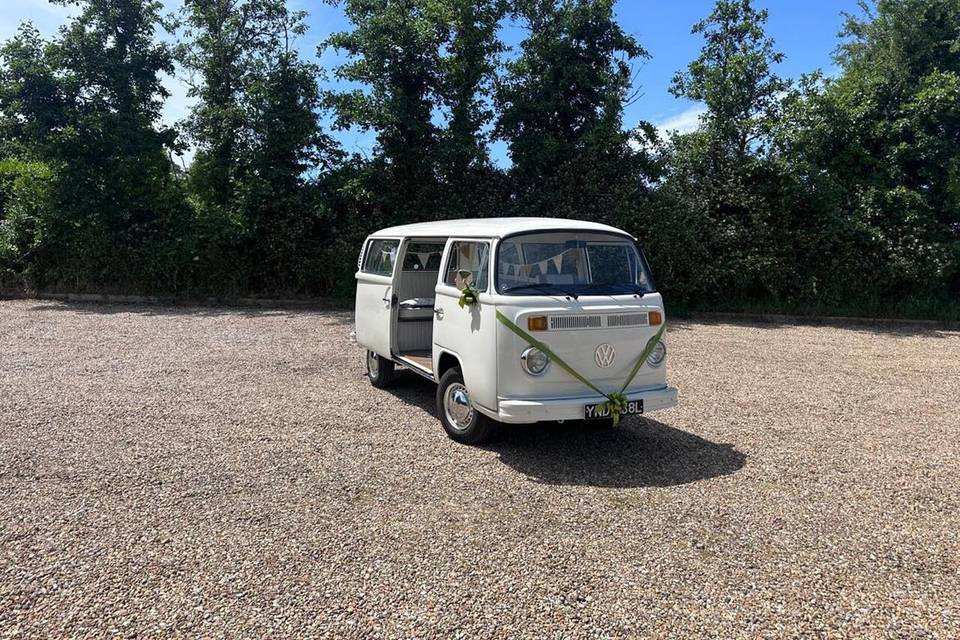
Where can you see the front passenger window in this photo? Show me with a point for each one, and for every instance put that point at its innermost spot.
(468, 264)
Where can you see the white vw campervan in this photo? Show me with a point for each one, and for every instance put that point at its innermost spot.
(515, 319)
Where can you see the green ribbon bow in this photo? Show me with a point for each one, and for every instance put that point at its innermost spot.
(616, 400)
(468, 296)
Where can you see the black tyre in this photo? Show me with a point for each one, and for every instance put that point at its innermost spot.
(460, 419)
(380, 371)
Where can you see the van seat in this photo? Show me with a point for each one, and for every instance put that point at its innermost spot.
(416, 308)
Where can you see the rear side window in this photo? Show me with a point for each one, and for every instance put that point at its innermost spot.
(468, 264)
(422, 256)
(380, 257)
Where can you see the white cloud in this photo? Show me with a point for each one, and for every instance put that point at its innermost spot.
(683, 122)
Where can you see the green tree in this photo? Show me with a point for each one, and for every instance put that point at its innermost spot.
(561, 105)
(880, 145)
(224, 47)
(734, 77)
(25, 212)
(422, 74)
(88, 105)
(258, 139)
(468, 71)
(426, 68)
(721, 175)
(394, 52)
(287, 223)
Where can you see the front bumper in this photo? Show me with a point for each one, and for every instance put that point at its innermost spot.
(513, 410)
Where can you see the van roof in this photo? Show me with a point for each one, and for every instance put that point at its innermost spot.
(491, 227)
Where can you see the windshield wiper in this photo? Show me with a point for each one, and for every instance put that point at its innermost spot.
(631, 287)
(542, 287)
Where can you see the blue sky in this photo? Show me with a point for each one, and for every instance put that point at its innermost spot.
(805, 31)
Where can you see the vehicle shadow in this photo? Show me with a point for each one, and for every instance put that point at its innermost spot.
(415, 390)
(640, 452)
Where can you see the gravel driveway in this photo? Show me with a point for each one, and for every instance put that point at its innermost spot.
(230, 473)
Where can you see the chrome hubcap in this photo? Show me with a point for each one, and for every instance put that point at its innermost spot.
(456, 403)
(373, 364)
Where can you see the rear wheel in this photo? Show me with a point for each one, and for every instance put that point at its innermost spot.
(380, 371)
(460, 419)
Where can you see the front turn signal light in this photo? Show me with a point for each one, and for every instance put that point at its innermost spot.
(656, 318)
(537, 323)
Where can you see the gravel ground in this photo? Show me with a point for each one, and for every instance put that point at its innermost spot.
(230, 473)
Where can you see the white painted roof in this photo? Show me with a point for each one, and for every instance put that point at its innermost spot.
(491, 227)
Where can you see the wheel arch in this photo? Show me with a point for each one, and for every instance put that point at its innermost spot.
(445, 362)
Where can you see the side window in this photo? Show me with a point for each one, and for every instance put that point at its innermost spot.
(468, 264)
(380, 257)
(422, 256)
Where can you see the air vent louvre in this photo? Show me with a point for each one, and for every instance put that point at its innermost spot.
(628, 320)
(575, 322)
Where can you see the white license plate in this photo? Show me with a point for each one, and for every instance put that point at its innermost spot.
(598, 411)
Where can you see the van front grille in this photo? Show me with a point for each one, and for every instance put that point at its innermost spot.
(575, 322)
(628, 320)
(597, 321)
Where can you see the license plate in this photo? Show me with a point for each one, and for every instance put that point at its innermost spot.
(598, 411)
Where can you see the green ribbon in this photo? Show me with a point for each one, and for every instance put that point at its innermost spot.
(616, 400)
(468, 296)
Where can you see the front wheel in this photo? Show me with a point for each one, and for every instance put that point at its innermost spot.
(460, 419)
(380, 371)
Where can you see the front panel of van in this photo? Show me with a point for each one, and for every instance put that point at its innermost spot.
(618, 325)
(595, 307)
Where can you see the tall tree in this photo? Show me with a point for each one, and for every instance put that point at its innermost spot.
(881, 144)
(427, 68)
(224, 46)
(734, 77)
(469, 65)
(394, 52)
(721, 173)
(88, 104)
(288, 152)
(562, 106)
(258, 137)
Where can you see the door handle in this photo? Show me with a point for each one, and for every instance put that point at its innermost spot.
(438, 311)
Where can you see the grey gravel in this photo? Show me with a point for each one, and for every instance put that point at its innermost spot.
(230, 473)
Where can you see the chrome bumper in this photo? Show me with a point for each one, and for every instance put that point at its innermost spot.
(514, 410)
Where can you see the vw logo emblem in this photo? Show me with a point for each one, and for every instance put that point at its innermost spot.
(605, 355)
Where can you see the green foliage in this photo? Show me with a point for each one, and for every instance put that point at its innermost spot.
(561, 104)
(817, 194)
(427, 67)
(721, 191)
(878, 150)
(25, 207)
(258, 139)
(87, 104)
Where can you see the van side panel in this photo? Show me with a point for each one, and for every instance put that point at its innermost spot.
(470, 334)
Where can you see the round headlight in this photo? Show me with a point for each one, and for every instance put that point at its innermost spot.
(534, 361)
(659, 353)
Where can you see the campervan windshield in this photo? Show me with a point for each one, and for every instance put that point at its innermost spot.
(571, 264)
